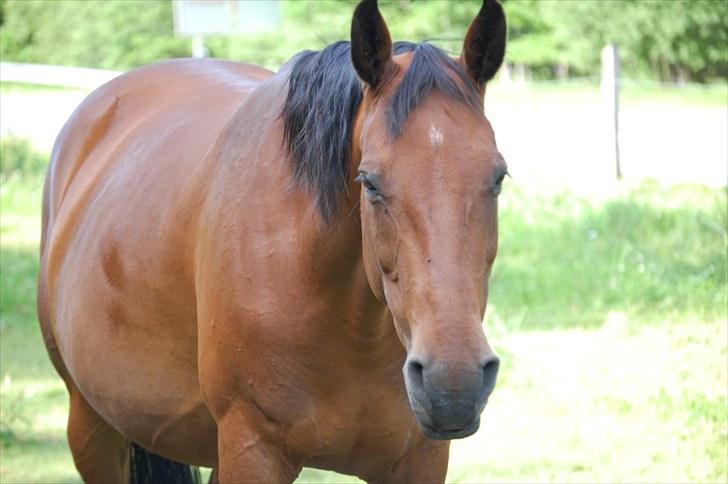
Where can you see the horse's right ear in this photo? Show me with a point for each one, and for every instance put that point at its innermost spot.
(371, 45)
(485, 43)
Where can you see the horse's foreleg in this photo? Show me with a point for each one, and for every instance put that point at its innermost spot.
(426, 463)
(246, 455)
(101, 454)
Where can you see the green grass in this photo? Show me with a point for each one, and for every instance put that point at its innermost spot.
(609, 316)
(651, 253)
(24, 87)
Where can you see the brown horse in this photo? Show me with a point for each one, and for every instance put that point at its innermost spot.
(258, 272)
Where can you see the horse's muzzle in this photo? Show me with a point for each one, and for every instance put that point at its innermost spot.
(447, 399)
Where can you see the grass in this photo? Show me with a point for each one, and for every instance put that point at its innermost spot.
(609, 404)
(24, 87)
(609, 317)
(651, 253)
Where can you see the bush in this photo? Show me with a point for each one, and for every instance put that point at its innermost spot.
(19, 158)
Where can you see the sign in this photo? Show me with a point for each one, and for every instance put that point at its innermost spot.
(197, 18)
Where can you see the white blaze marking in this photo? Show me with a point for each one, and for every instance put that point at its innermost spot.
(435, 135)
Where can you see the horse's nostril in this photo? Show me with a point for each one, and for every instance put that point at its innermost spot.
(415, 370)
(490, 373)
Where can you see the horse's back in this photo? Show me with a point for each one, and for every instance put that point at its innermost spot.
(199, 93)
(123, 195)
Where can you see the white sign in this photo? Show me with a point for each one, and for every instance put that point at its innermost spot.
(206, 17)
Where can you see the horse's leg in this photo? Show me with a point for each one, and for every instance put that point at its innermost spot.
(245, 455)
(426, 463)
(101, 454)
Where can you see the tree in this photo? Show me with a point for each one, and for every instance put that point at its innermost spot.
(675, 39)
(661, 39)
(112, 35)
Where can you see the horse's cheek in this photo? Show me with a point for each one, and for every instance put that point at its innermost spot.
(386, 244)
(373, 271)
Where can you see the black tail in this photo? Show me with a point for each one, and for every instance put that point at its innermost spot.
(148, 468)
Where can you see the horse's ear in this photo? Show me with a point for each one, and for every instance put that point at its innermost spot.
(371, 45)
(485, 43)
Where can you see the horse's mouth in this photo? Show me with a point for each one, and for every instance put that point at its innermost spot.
(441, 434)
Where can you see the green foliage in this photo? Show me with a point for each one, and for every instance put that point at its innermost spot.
(19, 158)
(530, 38)
(111, 35)
(668, 40)
(681, 39)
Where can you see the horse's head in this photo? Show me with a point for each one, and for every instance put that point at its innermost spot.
(430, 174)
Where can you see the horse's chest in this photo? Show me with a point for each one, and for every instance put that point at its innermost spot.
(358, 428)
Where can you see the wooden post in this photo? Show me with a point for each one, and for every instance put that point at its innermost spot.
(610, 99)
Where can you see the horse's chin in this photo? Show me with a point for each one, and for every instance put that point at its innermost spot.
(440, 434)
(443, 424)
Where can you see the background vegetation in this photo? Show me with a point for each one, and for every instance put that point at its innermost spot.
(668, 40)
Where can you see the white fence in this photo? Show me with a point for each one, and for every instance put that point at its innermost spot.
(62, 76)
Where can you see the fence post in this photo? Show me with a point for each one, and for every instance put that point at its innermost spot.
(198, 46)
(610, 99)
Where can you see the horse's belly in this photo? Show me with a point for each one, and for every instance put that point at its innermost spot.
(129, 343)
(142, 385)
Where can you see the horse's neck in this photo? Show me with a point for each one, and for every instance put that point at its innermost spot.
(367, 320)
(333, 249)
(372, 320)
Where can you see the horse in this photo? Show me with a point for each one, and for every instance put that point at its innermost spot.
(257, 272)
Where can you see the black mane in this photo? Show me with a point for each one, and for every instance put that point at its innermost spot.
(324, 94)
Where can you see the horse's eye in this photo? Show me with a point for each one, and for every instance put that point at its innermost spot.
(498, 183)
(368, 185)
(371, 186)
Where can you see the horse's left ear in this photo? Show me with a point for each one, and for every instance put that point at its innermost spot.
(485, 43)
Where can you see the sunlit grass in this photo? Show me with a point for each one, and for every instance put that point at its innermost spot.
(652, 253)
(608, 315)
(609, 404)
(24, 87)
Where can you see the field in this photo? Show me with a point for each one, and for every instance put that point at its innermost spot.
(608, 309)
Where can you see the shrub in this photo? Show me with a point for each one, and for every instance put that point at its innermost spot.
(19, 158)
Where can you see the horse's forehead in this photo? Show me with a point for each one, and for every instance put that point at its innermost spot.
(435, 135)
(444, 124)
